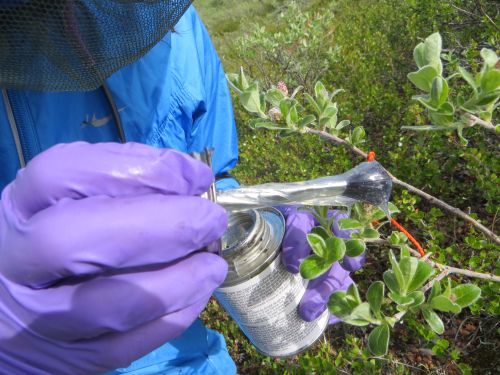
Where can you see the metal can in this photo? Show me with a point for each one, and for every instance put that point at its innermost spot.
(259, 293)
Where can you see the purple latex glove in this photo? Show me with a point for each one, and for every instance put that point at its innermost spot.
(98, 256)
(296, 248)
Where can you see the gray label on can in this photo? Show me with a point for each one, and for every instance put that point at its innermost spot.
(265, 308)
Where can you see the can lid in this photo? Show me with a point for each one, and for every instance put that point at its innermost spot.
(251, 241)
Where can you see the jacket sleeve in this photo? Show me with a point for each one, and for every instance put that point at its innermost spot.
(208, 102)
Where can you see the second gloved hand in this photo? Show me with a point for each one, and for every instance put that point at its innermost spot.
(295, 249)
(99, 260)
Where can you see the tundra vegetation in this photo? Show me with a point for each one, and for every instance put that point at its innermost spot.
(318, 84)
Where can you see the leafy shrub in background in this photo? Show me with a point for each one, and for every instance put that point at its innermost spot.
(301, 50)
(446, 112)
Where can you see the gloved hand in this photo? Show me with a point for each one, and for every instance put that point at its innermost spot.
(295, 249)
(98, 256)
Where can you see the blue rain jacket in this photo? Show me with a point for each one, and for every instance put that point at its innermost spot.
(176, 96)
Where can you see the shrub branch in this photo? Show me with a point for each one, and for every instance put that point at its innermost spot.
(431, 199)
(474, 120)
(443, 267)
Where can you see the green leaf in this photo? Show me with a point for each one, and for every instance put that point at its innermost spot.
(423, 77)
(404, 249)
(356, 322)
(391, 282)
(317, 243)
(233, 80)
(338, 305)
(361, 312)
(432, 51)
(250, 99)
(426, 101)
(375, 296)
(274, 97)
(243, 83)
(466, 294)
(443, 121)
(433, 320)
(330, 111)
(379, 214)
(354, 248)
(314, 266)
(444, 304)
(447, 290)
(394, 238)
(306, 120)
(408, 266)
(319, 89)
(418, 298)
(423, 272)
(468, 77)
(296, 91)
(352, 296)
(371, 234)
(260, 123)
(342, 124)
(418, 55)
(378, 340)
(397, 270)
(463, 140)
(436, 289)
(335, 249)
(358, 135)
(439, 91)
(485, 99)
(405, 301)
(349, 224)
(490, 81)
(490, 57)
(313, 103)
(292, 116)
(320, 231)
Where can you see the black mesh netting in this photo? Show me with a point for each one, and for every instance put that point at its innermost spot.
(69, 45)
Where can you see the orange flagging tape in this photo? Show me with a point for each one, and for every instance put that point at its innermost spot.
(410, 237)
(371, 157)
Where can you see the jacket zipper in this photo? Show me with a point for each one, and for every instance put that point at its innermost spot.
(13, 128)
(21, 121)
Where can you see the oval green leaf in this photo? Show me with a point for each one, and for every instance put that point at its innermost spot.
(317, 243)
(418, 298)
(466, 294)
(403, 301)
(354, 248)
(320, 231)
(423, 272)
(391, 282)
(444, 304)
(433, 320)
(352, 296)
(349, 224)
(338, 305)
(375, 296)
(313, 266)
(439, 91)
(370, 234)
(335, 249)
(423, 77)
(397, 271)
(378, 341)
